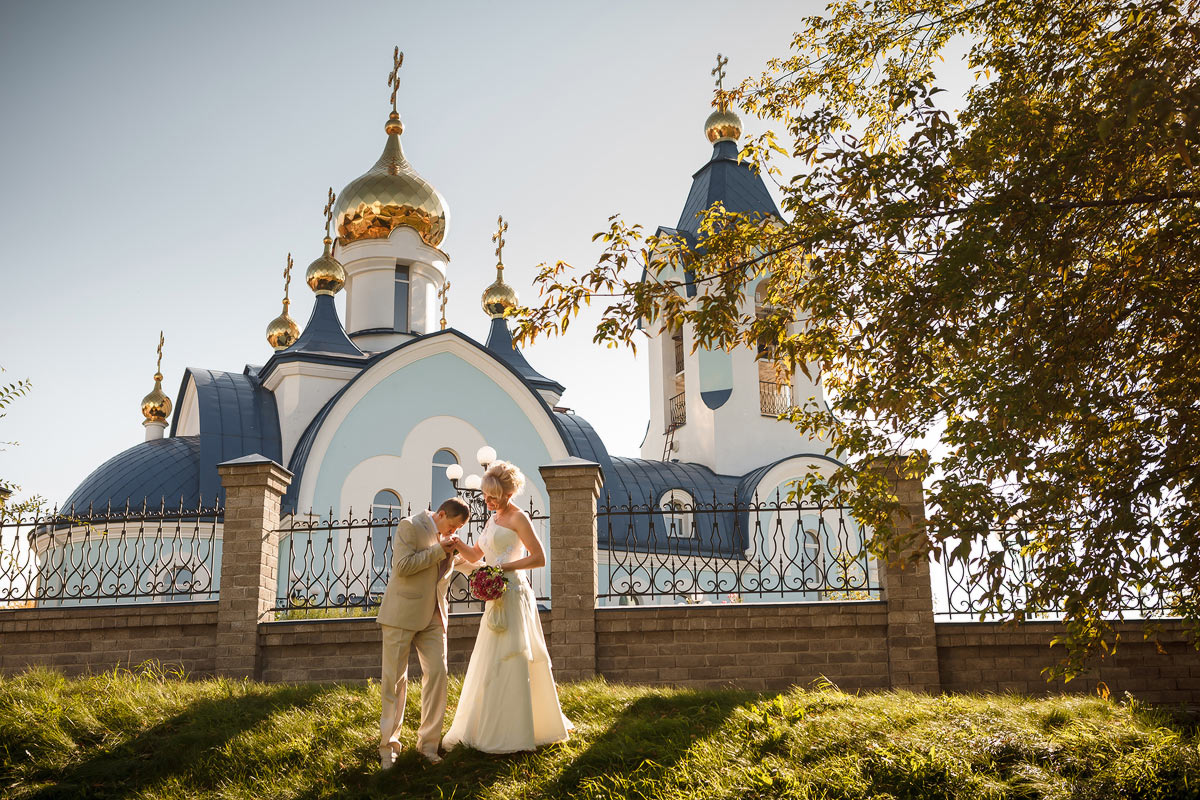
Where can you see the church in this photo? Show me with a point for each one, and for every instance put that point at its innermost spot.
(387, 409)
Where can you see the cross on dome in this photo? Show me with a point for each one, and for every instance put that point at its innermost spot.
(498, 238)
(394, 75)
(719, 71)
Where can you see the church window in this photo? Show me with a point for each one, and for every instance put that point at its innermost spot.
(677, 508)
(774, 374)
(442, 489)
(401, 298)
(385, 514)
(677, 404)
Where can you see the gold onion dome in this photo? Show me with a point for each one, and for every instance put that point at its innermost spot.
(723, 125)
(390, 195)
(499, 297)
(326, 275)
(282, 332)
(156, 406)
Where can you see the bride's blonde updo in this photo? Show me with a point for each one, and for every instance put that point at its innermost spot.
(502, 478)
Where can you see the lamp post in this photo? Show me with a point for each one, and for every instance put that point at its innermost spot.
(471, 483)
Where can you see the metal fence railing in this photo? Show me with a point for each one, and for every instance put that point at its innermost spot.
(774, 398)
(341, 567)
(72, 558)
(678, 405)
(686, 552)
(960, 587)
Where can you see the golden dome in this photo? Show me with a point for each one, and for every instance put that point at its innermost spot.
(391, 194)
(282, 332)
(723, 125)
(499, 297)
(156, 406)
(326, 275)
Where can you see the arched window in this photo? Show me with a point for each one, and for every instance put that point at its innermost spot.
(385, 514)
(677, 507)
(442, 489)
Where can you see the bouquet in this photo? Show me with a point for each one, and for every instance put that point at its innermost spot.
(487, 583)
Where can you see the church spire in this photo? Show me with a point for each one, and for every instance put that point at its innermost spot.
(283, 331)
(156, 406)
(499, 297)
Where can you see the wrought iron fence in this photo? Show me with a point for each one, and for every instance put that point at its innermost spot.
(678, 405)
(732, 552)
(72, 558)
(774, 398)
(960, 586)
(341, 568)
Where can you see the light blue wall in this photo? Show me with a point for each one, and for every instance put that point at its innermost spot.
(440, 385)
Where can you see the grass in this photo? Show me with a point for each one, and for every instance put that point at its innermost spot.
(145, 734)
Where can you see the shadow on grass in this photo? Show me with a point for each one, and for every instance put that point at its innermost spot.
(180, 747)
(650, 736)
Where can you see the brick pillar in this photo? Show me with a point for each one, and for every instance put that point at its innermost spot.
(574, 485)
(912, 639)
(254, 485)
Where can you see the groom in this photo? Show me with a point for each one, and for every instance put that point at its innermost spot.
(413, 612)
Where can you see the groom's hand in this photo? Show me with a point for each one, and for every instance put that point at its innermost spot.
(448, 544)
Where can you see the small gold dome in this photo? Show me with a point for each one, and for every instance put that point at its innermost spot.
(723, 125)
(391, 194)
(282, 332)
(326, 275)
(499, 297)
(156, 406)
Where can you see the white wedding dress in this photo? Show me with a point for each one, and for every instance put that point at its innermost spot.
(509, 702)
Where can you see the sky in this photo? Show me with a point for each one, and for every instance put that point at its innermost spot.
(160, 160)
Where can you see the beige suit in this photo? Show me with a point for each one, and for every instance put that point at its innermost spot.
(413, 612)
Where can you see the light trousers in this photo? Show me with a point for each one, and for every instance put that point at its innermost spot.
(431, 652)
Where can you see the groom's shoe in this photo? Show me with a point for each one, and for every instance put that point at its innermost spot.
(387, 758)
(432, 758)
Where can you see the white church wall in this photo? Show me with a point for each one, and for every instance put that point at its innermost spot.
(301, 390)
(189, 412)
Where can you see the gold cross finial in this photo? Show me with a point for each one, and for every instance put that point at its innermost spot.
(287, 281)
(719, 71)
(328, 212)
(158, 369)
(442, 293)
(498, 238)
(394, 75)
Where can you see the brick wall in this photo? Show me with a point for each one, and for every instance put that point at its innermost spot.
(83, 640)
(750, 645)
(993, 657)
(349, 649)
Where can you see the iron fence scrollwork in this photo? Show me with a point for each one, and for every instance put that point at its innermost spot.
(71, 558)
(752, 551)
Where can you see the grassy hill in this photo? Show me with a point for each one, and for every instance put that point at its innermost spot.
(150, 735)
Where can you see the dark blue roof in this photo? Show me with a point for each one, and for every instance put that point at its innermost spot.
(324, 340)
(723, 179)
(160, 472)
(500, 342)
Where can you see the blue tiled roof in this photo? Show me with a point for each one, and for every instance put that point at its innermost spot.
(500, 342)
(237, 418)
(160, 472)
(735, 185)
(324, 340)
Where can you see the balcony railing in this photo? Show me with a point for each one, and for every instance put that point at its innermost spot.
(774, 398)
(678, 406)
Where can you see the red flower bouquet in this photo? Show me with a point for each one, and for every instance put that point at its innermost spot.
(487, 583)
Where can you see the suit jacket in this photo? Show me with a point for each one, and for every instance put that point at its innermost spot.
(420, 575)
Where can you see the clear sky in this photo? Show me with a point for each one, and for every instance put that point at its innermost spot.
(159, 161)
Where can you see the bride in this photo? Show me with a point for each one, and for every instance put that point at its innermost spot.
(509, 702)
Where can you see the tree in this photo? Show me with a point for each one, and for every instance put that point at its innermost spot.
(9, 393)
(1017, 281)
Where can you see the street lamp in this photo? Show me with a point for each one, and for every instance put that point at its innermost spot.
(486, 456)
